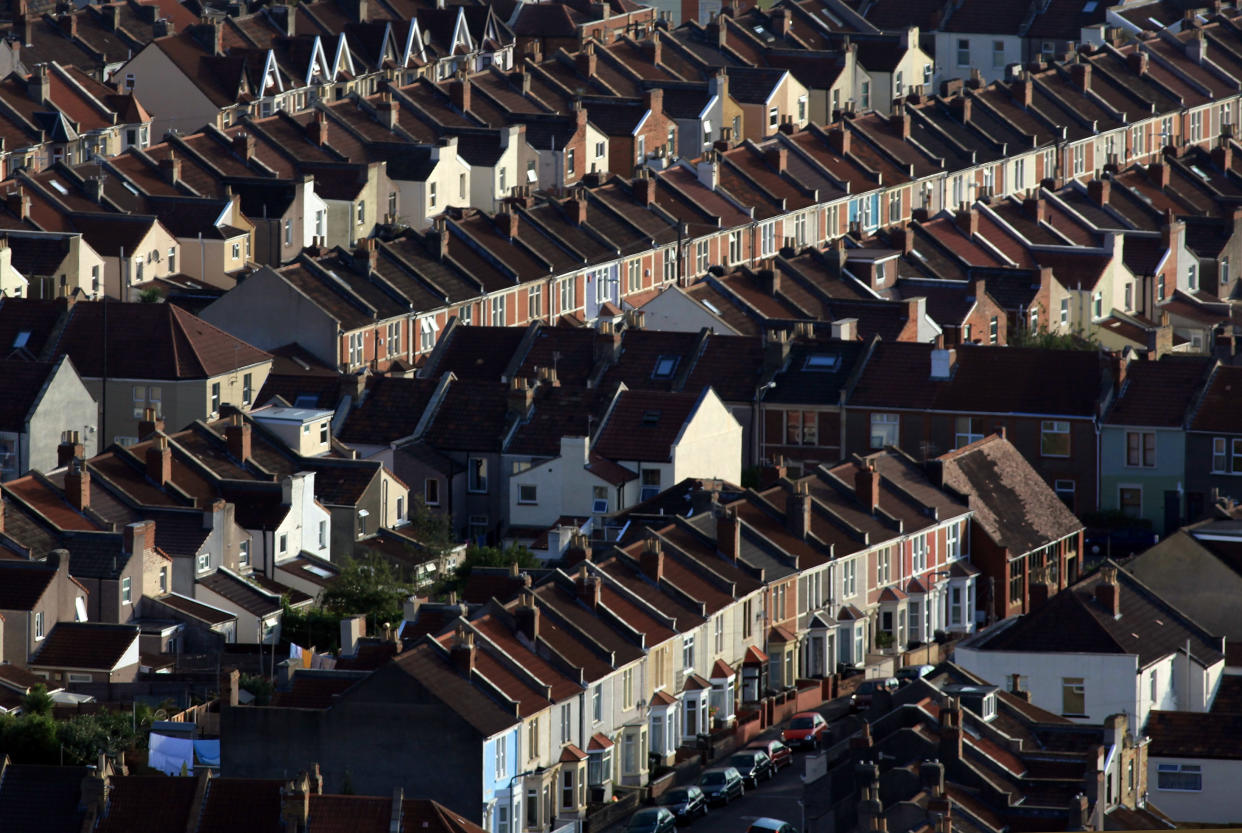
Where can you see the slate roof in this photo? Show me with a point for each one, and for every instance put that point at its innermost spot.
(195, 609)
(23, 583)
(1011, 501)
(21, 387)
(148, 804)
(85, 645)
(431, 667)
(230, 800)
(984, 380)
(644, 425)
(242, 593)
(1193, 735)
(41, 798)
(1218, 409)
(144, 341)
(389, 412)
(1159, 394)
(1073, 621)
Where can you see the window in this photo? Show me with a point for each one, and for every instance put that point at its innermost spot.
(1019, 174)
(641, 149)
(204, 562)
(1141, 449)
(498, 311)
(532, 738)
(849, 578)
(1160, 288)
(1017, 581)
(1065, 491)
(163, 579)
(963, 52)
(884, 567)
(569, 300)
(392, 342)
(747, 618)
(599, 766)
(894, 207)
(215, 397)
(1078, 156)
(864, 95)
(650, 484)
(502, 768)
(670, 140)
(635, 269)
(599, 150)
(687, 651)
(527, 493)
(1138, 138)
(898, 84)
(38, 624)
(1180, 777)
(1223, 277)
(431, 194)
(998, 54)
(802, 104)
(1073, 697)
(801, 428)
(1129, 296)
(567, 788)
(1226, 456)
(125, 590)
(718, 627)
(953, 542)
(767, 239)
(534, 303)
(319, 221)
(323, 534)
(993, 330)
(1130, 501)
(884, 429)
(461, 187)
(1196, 125)
(597, 703)
(569, 162)
(627, 688)
(774, 117)
(477, 468)
(1054, 438)
(700, 256)
(1192, 277)
(283, 546)
(918, 554)
(362, 212)
(243, 556)
(355, 349)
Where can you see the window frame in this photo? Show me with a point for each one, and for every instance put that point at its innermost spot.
(1049, 428)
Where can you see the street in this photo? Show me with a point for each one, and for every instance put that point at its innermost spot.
(778, 798)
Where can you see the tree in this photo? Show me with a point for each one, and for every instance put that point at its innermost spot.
(1052, 341)
(477, 556)
(38, 701)
(150, 296)
(369, 585)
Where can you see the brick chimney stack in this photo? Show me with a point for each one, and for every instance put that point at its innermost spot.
(867, 486)
(729, 534)
(798, 511)
(1107, 592)
(588, 587)
(78, 484)
(70, 449)
(463, 651)
(237, 436)
(526, 615)
(159, 461)
(150, 423)
(652, 559)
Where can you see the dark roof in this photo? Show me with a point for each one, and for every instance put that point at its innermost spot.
(431, 667)
(1012, 502)
(390, 410)
(21, 388)
(144, 341)
(148, 804)
(984, 380)
(471, 417)
(1193, 735)
(1218, 409)
(195, 609)
(233, 804)
(808, 378)
(1073, 621)
(643, 425)
(316, 690)
(242, 593)
(1158, 393)
(86, 645)
(41, 798)
(38, 256)
(23, 583)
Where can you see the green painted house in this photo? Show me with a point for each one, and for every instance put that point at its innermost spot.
(1143, 438)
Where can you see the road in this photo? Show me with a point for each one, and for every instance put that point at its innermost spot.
(776, 799)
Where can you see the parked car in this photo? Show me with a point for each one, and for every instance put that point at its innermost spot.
(806, 730)
(687, 803)
(754, 765)
(722, 785)
(862, 697)
(652, 820)
(767, 825)
(913, 672)
(781, 755)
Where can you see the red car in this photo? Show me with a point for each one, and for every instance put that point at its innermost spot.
(806, 729)
(780, 754)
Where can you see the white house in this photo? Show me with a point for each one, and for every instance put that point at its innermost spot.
(1105, 645)
(1194, 766)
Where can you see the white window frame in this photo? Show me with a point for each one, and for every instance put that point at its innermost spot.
(889, 425)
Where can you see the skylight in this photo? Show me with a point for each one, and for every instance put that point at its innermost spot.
(822, 361)
(711, 306)
(651, 417)
(664, 367)
(60, 189)
(317, 570)
(1090, 7)
(22, 338)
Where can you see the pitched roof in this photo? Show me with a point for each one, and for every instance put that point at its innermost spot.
(390, 411)
(252, 804)
(143, 341)
(86, 645)
(1073, 621)
(148, 804)
(1011, 501)
(430, 665)
(43, 798)
(1176, 734)
(238, 591)
(644, 425)
(23, 583)
(1158, 393)
(21, 388)
(1218, 409)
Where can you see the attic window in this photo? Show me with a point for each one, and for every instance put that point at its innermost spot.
(60, 189)
(22, 338)
(711, 307)
(1199, 172)
(1090, 7)
(651, 417)
(664, 367)
(822, 361)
